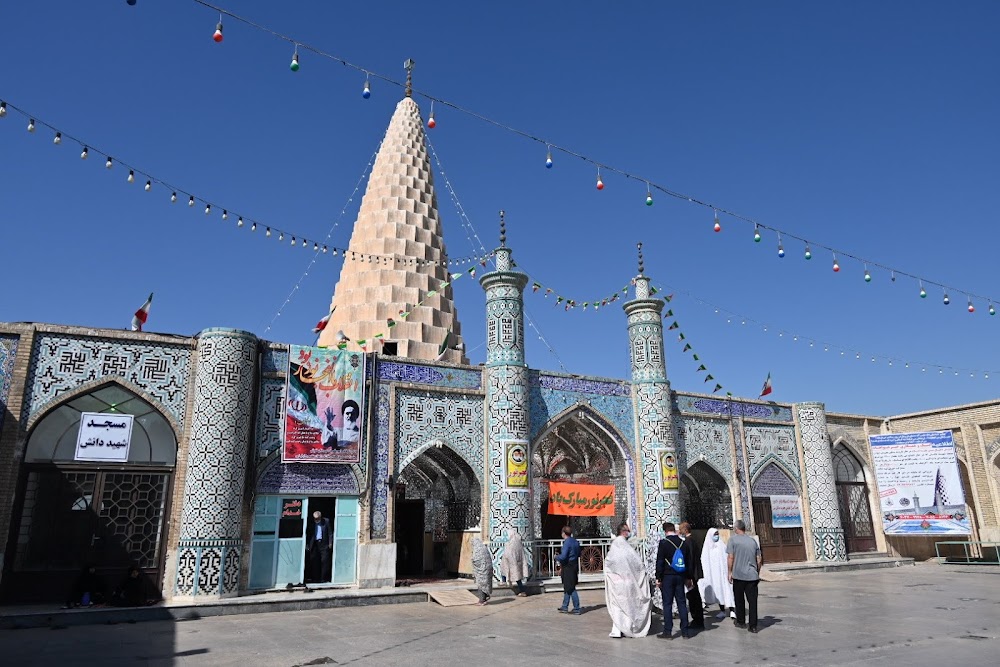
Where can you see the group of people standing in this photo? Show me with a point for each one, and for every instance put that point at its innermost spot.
(691, 582)
(721, 574)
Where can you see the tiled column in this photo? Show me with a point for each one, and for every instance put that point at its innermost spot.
(824, 512)
(208, 554)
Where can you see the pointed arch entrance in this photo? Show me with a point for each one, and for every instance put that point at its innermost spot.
(74, 513)
(777, 545)
(580, 447)
(855, 505)
(705, 497)
(438, 498)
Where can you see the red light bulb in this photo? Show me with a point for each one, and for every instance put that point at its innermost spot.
(431, 123)
(218, 33)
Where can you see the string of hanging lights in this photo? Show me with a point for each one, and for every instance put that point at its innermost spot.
(868, 265)
(176, 194)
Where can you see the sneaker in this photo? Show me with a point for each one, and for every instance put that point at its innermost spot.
(563, 610)
(664, 635)
(522, 595)
(577, 612)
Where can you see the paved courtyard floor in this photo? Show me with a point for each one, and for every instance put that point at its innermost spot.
(924, 615)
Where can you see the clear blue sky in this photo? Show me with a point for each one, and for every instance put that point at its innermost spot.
(865, 126)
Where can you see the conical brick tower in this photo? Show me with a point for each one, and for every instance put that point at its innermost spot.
(398, 255)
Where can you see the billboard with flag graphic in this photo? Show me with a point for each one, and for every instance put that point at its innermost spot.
(324, 406)
(919, 484)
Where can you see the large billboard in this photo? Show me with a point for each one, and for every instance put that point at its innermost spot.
(919, 484)
(324, 406)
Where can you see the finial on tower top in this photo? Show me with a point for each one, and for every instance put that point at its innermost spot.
(503, 231)
(409, 76)
(641, 264)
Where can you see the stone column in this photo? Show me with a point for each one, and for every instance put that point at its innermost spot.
(653, 408)
(506, 396)
(824, 511)
(208, 553)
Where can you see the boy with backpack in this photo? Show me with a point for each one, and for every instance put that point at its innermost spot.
(673, 575)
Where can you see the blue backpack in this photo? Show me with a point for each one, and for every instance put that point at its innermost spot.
(677, 562)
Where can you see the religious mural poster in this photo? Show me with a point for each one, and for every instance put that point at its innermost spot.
(324, 406)
(569, 499)
(786, 511)
(919, 484)
(103, 436)
(516, 467)
(667, 462)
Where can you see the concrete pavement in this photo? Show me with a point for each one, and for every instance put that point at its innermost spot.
(924, 615)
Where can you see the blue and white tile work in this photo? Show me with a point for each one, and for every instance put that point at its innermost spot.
(550, 395)
(707, 440)
(827, 530)
(423, 417)
(62, 362)
(722, 407)
(772, 443)
(8, 353)
(440, 376)
(270, 415)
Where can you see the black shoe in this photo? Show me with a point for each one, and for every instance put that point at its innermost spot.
(740, 625)
(687, 635)
(664, 635)
(753, 629)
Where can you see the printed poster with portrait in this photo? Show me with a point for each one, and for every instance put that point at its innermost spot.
(324, 406)
(516, 458)
(667, 463)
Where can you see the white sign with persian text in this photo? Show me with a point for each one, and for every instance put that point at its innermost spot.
(104, 437)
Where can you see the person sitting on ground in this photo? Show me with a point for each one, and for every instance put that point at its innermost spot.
(626, 588)
(133, 591)
(513, 564)
(88, 589)
(482, 570)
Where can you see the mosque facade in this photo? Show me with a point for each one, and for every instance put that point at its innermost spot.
(205, 506)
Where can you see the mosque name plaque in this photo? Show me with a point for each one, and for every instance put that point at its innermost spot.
(103, 437)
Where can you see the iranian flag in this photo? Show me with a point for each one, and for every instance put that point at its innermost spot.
(767, 387)
(142, 314)
(323, 322)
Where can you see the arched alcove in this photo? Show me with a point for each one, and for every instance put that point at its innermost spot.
(706, 501)
(854, 501)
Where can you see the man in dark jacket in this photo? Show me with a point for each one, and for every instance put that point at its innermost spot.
(695, 604)
(569, 559)
(673, 574)
(319, 545)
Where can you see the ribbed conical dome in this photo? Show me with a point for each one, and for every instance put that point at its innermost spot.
(398, 224)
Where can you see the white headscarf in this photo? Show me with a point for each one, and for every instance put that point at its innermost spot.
(714, 586)
(626, 589)
(482, 566)
(513, 564)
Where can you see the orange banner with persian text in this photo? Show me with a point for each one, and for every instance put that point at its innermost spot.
(581, 499)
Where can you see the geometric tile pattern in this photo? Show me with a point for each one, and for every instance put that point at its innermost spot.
(422, 417)
(772, 443)
(707, 440)
(651, 395)
(827, 533)
(380, 472)
(716, 406)
(8, 353)
(274, 359)
(742, 475)
(456, 378)
(270, 415)
(506, 394)
(550, 396)
(218, 453)
(60, 363)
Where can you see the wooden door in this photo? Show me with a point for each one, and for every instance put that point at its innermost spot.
(777, 545)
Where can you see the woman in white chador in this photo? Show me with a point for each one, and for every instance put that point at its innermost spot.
(714, 585)
(626, 590)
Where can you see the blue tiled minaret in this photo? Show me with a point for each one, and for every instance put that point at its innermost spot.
(651, 398)
(506, 392)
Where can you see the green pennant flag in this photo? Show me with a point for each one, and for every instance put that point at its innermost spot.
(535, 287)
(444, 344)
(362, 342)
(670, 313)
(443, 285)
(653, 290)
(696, 357)
(390, 323)
(701, 368)
(673, 326)
(681, 337)
(342, 346)
(378, 335)
(708, 377)
(717, 388)
(625, 290)
(431, 293)
(455, 276)
(687, 346)
(668, 298)
(559, 299)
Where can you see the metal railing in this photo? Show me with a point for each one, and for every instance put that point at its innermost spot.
(593, 551)
(974, 552)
